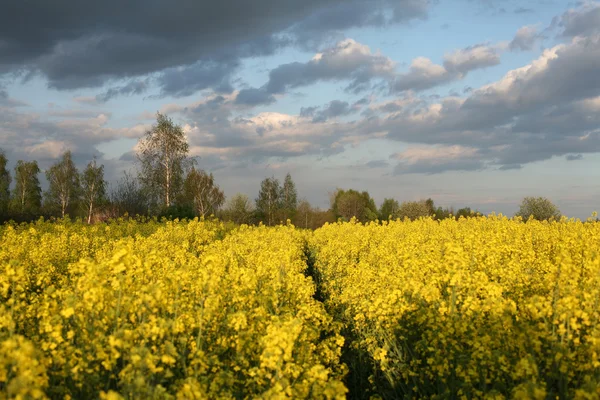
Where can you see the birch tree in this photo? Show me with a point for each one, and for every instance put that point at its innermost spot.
(27, 194)
(201, 192)
(93, 188)
(63, 190)
(162, 154)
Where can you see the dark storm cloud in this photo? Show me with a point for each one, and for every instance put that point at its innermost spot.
(78, 44)
(574, 157)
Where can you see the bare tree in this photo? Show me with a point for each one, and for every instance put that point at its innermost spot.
(93, 187)
(304, 214)
(128, 197)
(162, 154)
(201, 192)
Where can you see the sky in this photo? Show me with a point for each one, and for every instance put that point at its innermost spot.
(473, 103)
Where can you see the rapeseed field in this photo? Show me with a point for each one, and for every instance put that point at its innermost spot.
(485, 307)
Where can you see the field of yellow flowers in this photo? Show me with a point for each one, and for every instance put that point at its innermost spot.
(474, 308)
(150, 310)
(485, 307)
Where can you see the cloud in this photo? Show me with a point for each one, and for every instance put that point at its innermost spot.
(334, 109)
(7, 101)
(89, 100)
(525, 38)
(471, 58)
(43, 137)
(583, 21)
(130, 88)
(254, 97)
(306, 112)
(377, 164)
(335, 18)
(510, 167)
(574, 157)
(195, 45)
(186, 80)
(550, 107)
(424, 74)
(431, 160)
(347, 60)
(220, 136)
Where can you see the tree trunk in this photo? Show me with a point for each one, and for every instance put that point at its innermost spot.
(91, 198)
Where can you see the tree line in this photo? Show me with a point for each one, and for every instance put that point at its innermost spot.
(168, 183)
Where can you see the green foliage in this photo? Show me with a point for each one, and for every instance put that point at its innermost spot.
(27, 194)
(351, 203)
(5, 180)
(268, 202)
(239, 209)
(466, 212)
(443, 213)
(201, 193)
(540, 208)
(178, 211)
(415, 209)
(389, 209)
(289, 198)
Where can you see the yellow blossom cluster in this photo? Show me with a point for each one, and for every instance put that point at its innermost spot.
(486, 307)
(162, 310)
